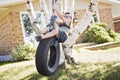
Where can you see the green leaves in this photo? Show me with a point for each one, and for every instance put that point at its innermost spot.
(98, 34)
(23, 52)
(113, 34)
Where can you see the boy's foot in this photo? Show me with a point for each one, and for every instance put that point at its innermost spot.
(71, 60)
(38, 38)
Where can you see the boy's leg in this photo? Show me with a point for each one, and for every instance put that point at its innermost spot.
(44, 31)
(54, 32)
(68, 55)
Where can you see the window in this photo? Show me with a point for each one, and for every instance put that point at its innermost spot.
(27, 26)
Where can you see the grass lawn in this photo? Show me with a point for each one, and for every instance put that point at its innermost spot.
(26, 70)
(3, 63)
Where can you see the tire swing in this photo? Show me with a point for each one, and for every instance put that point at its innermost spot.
(48, 55)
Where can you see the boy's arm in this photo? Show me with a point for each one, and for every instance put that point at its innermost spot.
(57, 22)
(60, 15)
(56, 19)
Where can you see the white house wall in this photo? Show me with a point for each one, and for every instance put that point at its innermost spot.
(83, 4)
(116, 11)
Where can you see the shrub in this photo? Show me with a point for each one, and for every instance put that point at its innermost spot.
(23, 52)
(113, 34)
(97, 34)
(104, 25)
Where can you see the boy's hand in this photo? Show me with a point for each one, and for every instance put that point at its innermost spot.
(53, 7)
(53, 14)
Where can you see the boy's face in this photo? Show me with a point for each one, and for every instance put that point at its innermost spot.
(67, 16)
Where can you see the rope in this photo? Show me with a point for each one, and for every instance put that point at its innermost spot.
(53, 2)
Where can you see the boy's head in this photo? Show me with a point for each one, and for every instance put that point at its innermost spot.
(67, 15)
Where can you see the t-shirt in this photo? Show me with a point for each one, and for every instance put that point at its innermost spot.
(65, 24)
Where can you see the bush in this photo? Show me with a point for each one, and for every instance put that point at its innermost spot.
(104, 25)
(113, 34)
(23, 52)
(97, 34)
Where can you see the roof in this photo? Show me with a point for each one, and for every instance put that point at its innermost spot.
(3, 12)
(113, 2)
(12, 2)
(4, 3)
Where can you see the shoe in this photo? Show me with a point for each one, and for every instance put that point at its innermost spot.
(71, 60)
(38, 38)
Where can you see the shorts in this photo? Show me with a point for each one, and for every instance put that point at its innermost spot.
(62, 37)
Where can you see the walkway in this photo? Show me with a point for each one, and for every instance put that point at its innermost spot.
(87, 56)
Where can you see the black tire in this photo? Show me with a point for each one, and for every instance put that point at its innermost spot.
(47, 48)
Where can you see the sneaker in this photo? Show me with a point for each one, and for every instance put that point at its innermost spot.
(38, 38)
(71, 60)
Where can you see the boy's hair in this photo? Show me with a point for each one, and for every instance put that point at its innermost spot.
(67, 12)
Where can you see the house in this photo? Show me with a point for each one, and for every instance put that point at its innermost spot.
(116, 17)
(14, 12)
(115, 4)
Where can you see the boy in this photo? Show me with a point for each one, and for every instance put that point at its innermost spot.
(61, 33)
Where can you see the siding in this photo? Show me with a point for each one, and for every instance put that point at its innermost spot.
(106, 16)
(11, 32)
(6, 36)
